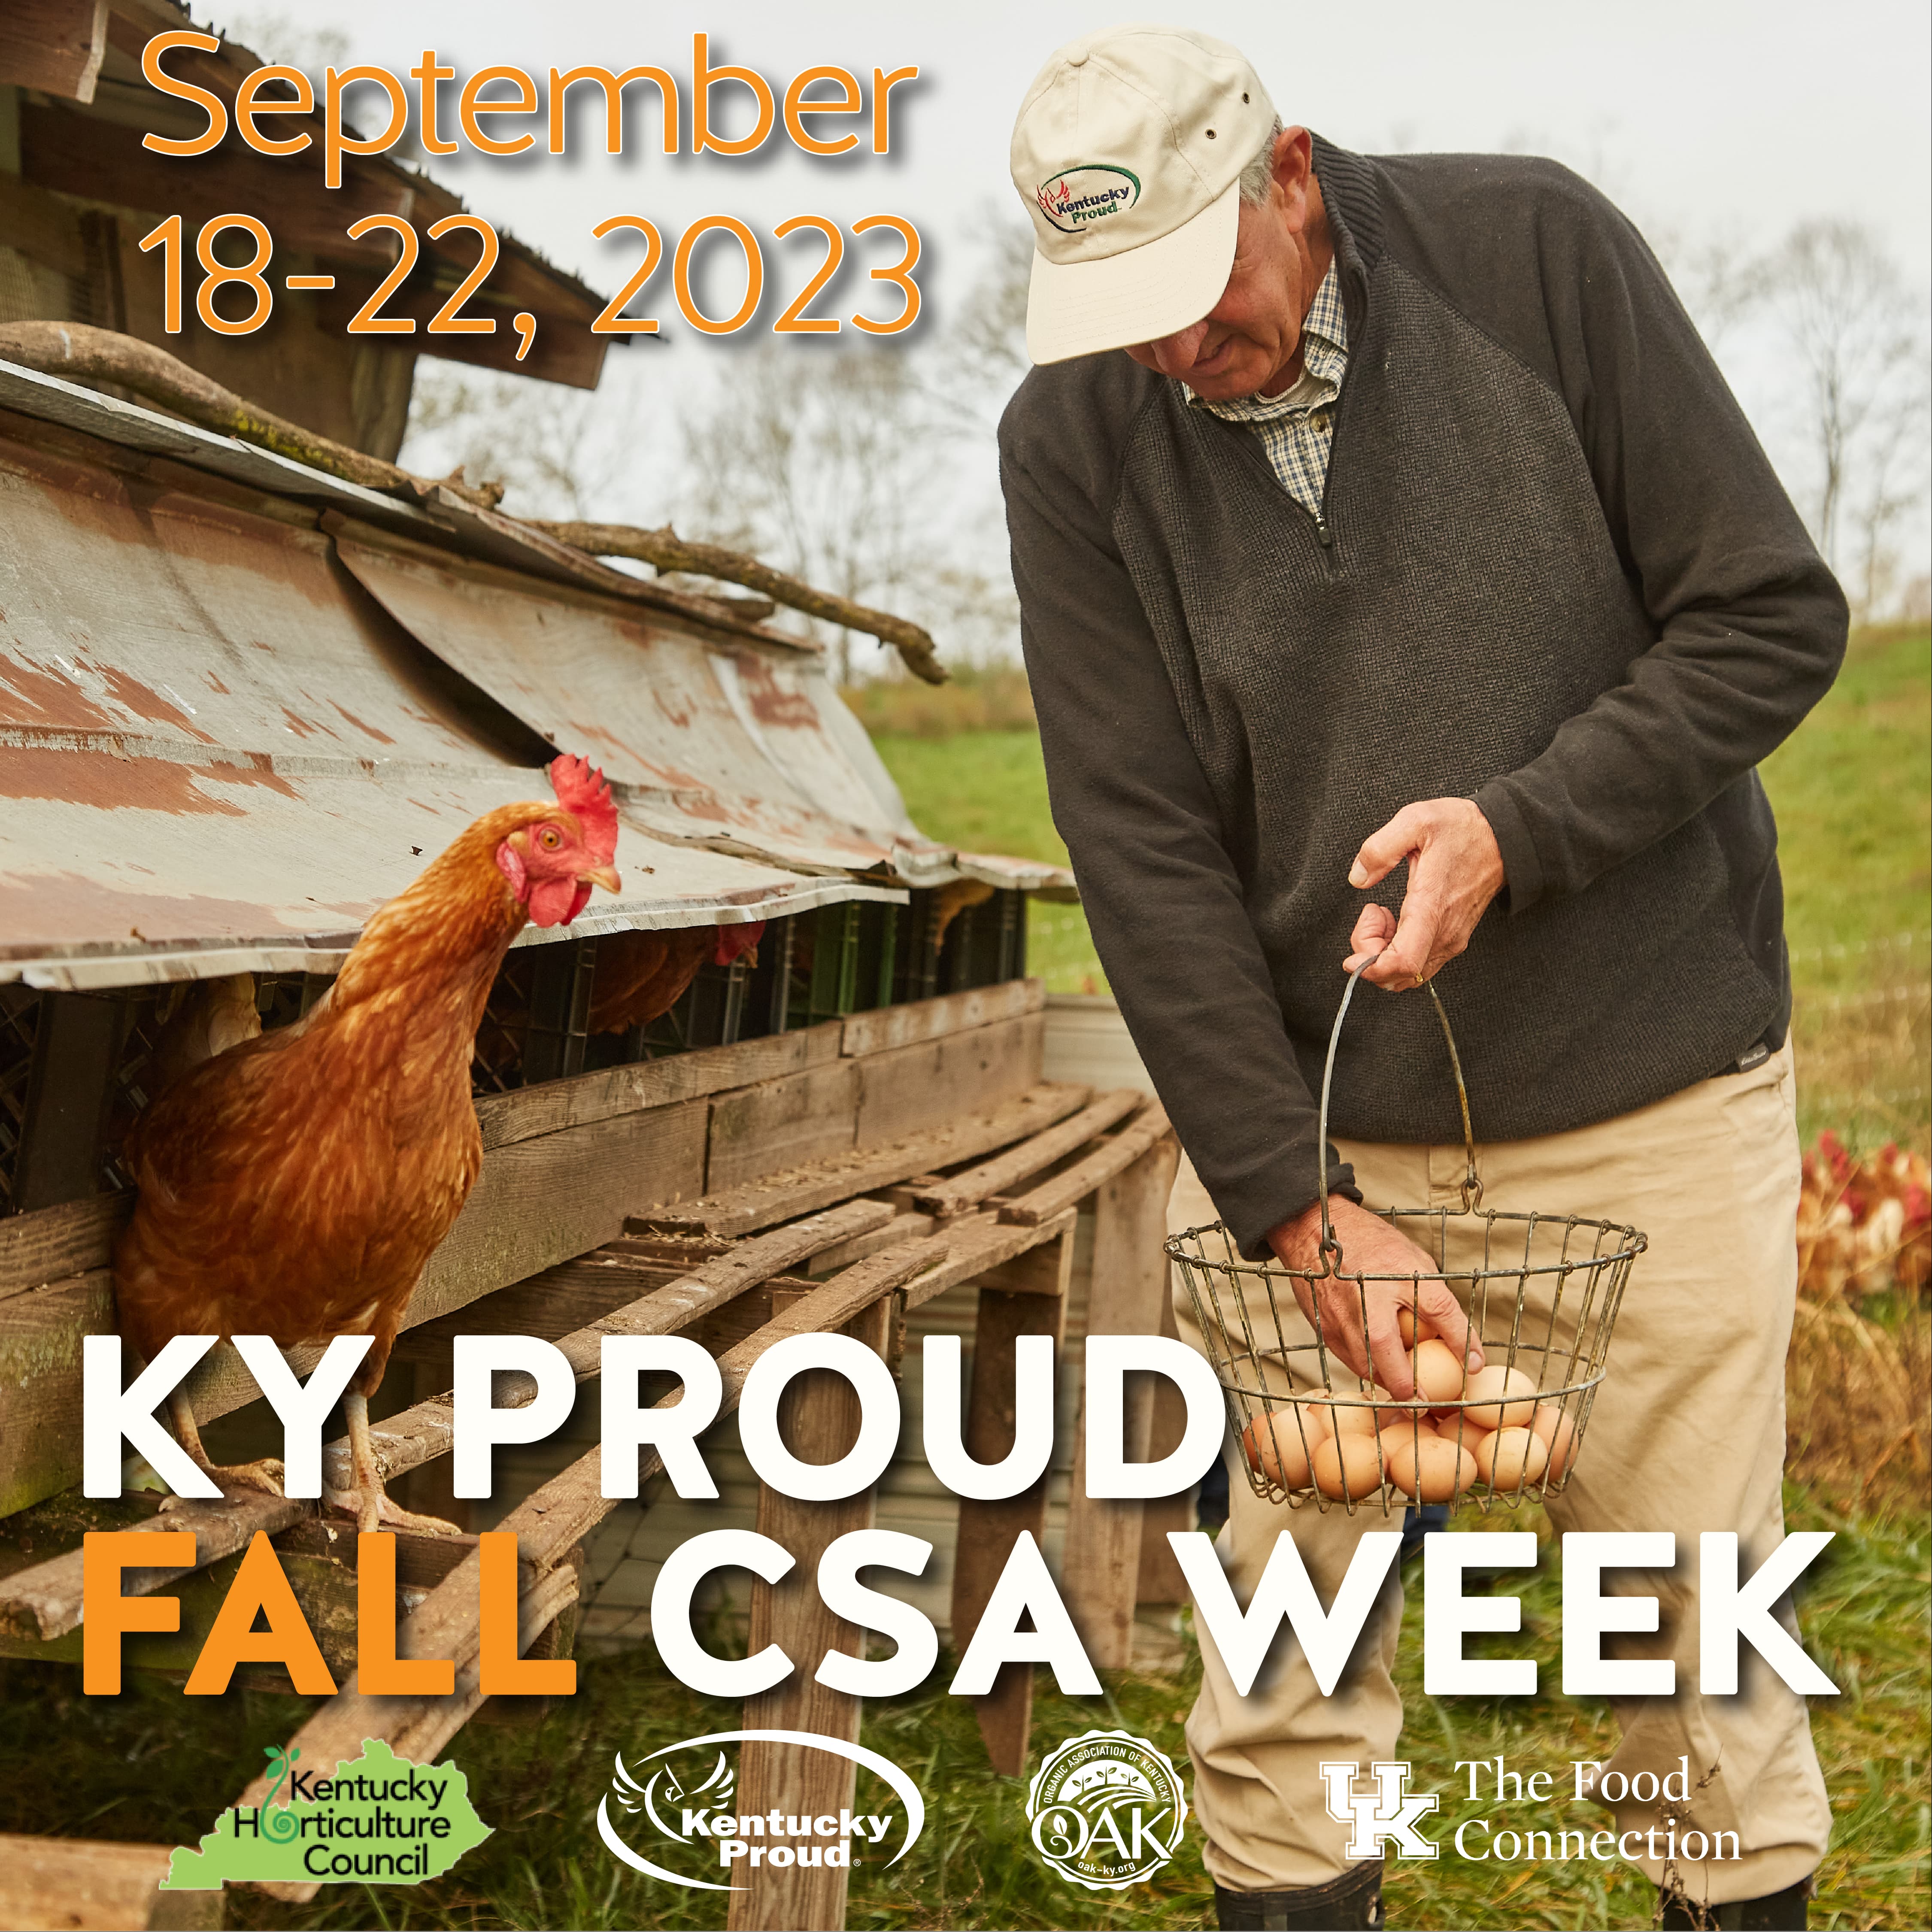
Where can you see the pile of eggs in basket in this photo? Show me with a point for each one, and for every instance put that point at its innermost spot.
(1348, 1444)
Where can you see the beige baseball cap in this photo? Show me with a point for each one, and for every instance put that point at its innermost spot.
(1128, 152)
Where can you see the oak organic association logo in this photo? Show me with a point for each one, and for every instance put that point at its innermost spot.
(1106, 1810)
(690, 1803)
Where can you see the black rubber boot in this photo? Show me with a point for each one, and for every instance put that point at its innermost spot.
(1352, 1902)
(1777, 1912)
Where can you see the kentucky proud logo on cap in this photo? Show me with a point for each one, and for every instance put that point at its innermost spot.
(1078, 197)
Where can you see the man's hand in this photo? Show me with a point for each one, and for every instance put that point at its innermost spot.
(1455, 868)
(1370, 1247)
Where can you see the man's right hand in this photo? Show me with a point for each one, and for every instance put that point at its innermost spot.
(1370, 1247)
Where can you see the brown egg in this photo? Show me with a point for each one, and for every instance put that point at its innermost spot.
(1348, 1465)
(1277, 1444)
(1426, 1468)
(1406, 1320)
(1438, 1374)
(1486, 1385)
(1511, 1459)
(1355, 1413)
(1557, 1431)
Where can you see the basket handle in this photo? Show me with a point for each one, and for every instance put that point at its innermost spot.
(1472, 1183)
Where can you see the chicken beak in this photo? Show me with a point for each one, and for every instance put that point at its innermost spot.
(605, 876)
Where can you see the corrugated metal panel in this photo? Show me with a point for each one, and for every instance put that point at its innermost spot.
(743, 749)
(119, 872)
(218, 752)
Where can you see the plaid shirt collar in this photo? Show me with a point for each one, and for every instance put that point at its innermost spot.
(1324, 360)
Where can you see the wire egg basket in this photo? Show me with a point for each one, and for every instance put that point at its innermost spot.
(1541, 1291)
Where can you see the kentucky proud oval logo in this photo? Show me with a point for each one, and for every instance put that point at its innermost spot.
(684, 1807)
(1081, 197)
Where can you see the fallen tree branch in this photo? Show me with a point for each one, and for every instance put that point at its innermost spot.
(667, 551)
(76, 352)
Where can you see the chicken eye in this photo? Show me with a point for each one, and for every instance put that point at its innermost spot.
(549, 838)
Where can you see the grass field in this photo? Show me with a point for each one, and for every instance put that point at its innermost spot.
(1852, 791)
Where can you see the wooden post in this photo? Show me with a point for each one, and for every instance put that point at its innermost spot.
(1101, 1562)
(819, 1417)
(1161, 1581)
(987, 1531)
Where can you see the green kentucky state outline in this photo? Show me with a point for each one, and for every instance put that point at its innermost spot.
(417, 1823)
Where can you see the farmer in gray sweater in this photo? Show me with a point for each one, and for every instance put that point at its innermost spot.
(1399, 578)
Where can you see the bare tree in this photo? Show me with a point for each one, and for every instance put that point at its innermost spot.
(834, 464)
(1858, 335)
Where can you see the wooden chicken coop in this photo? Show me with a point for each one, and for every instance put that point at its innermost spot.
(243, 702)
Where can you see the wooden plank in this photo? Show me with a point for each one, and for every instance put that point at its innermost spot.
(52, 1242)
(901, 1228)
(1110, 1158)
(819, 1418)
(45, 1601)
(1159, 1580)
(889, 1026)
(41, 1335)
(1047, 1269)
(540, 1201)
(1100, 1570)
(1000, 1174)
(557, 1104)
(981, 1244)
(95, 1885)
(55, 45)
(778, 1197)
(911, 1090)
(781, 1123)
(987, 1531)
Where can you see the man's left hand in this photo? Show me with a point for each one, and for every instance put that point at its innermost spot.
(1455, 869)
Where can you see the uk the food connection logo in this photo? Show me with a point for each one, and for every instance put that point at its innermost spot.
(1386, 1814)
(689, 1805)
(1106, 1810)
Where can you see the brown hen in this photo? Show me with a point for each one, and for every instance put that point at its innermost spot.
(641, 976)
(296, 1185)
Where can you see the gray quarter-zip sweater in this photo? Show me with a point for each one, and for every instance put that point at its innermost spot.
(1553, 571)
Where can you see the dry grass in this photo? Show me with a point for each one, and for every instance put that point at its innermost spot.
(1858, 1403)
(993, 699)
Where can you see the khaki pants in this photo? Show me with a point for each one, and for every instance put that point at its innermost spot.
(1687, 1434)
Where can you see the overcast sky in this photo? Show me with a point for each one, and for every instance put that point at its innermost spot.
(1726, 117)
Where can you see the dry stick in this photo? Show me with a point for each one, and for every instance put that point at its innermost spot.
(668, 551)
(1079, 1180)
(76, 352)
(551, 1519)
(46, 1601)
(995, 1176)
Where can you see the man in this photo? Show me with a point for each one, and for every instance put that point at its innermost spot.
(1382, 528)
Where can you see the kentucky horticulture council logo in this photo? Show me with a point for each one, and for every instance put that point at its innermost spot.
(690, 1803)
(1082, 196)
(377, 1817)
(1106, 1810)
(1389, 1812)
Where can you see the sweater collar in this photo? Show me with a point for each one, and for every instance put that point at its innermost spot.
(1353, 206)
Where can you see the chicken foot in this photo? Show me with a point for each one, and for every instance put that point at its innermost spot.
(368, 1501)
(266, 1475)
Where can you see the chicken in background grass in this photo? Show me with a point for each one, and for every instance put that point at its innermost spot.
(641, 976)
(296, 1185)
(1863, 1225)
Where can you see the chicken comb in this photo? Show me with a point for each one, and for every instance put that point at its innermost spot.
(581, 790)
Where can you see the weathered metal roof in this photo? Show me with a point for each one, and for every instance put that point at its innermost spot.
(234, 719)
